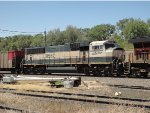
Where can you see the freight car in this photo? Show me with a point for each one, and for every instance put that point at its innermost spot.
(11, 60)
(139, 60)
(98, 57)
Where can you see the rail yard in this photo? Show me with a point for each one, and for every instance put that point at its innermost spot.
(75, 57)
(99, 76)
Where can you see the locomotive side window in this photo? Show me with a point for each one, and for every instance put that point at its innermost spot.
(97, 47)
(101, 47)
(75, 46)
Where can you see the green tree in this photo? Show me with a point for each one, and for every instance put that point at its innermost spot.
(101, 32)
(122, 24)
(55, 37)
(148, 22)
(72, 34)
(122, 42)
(83, 34)
(136, 28)
(61, 39)
(38, 40)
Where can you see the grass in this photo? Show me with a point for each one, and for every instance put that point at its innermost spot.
(45, 86)
(29, 85)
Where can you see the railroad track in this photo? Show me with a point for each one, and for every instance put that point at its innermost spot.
(129, 87)
(99, 99)
(74, 74)
(4, 107)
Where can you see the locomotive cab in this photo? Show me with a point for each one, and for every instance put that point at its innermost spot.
(105, 52)
(106, 57)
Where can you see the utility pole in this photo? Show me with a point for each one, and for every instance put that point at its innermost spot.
(45, 37)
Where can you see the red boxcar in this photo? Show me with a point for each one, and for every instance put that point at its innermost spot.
(10, 61)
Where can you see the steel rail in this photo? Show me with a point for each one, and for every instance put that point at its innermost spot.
(4, 107)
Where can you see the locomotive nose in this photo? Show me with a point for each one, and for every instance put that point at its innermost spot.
(119, 53)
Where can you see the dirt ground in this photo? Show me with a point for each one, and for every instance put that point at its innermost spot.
(94, 86)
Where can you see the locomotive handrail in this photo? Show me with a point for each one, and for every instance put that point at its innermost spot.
(113, 64)
(21, 64)
(115, 61)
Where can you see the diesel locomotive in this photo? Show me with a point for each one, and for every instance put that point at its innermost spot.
(97, 57)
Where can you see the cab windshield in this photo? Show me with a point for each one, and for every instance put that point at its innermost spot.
(108, 45)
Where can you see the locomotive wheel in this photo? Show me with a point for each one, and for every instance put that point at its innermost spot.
(42, 70)
(97, 73)
(27, 70)
(87, 71)
(128, 75)
(145, 75)
(79, 69)
(103, 73)
(118, 75)
(106, 73)
(12, 71)
(35, 70)
(135, 74)
(109, 73)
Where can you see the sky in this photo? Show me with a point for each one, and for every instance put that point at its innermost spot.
(36, 16)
